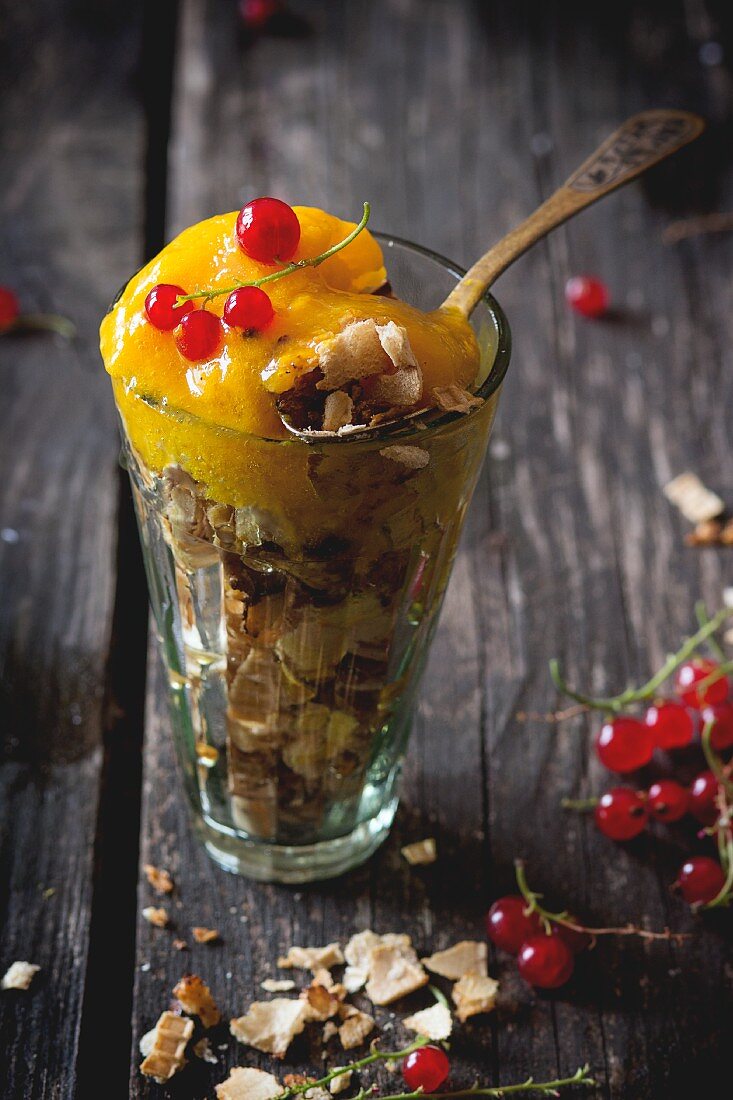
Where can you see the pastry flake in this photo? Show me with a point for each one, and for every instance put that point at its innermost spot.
(434, 1023)
(421, 853)
(167, 1045)
(248, 1083)
(474, 994)
(195, 998)
(19, 975)
(466, 957)
(271, 1026)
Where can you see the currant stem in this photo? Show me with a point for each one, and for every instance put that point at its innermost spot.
(580, 805)
(543, 1088)
(297, 265)
(703, 619)
(45, 322)
(615, 703)
(564, 918)
(375, 1056)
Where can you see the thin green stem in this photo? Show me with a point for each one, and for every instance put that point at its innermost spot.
(45, 322)
(368, 1060)
(615, 703)
(725, 847)
(297, 265)
(703, 619)
(580, 805)
(722, 670)
(439, 996)
(543, 1088)
(714, 762)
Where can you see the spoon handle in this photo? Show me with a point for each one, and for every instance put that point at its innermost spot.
(642, 141)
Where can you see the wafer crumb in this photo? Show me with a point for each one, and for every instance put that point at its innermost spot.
(271, 1026)
(466, 957)
(414, 458)
(277, 985)
(159, 878)
(474, 994)
(312, 958)
(434, 1023)
(394, 971)
(340, 1083)
(421, 852)
(355, 1026)
(454, 398)
(692, 498)
(202, 1049)
(19, 975)
(157, 917)
(205, 935)
(167, 1044)
(248, 1083)
(195, 997)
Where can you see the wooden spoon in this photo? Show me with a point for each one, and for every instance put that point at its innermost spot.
(642, 141)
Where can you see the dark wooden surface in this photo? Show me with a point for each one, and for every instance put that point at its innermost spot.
(454, 119)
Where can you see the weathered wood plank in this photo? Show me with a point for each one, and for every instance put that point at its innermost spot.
(454, 122)
(68, 187)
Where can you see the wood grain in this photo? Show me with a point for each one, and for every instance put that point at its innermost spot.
(69, 208)
(448, 122)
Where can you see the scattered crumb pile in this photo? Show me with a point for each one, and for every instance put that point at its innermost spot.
(386, 967)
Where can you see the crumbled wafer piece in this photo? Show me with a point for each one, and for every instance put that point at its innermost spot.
(473, 994)
(421, 852)
(166, 1055)
(202, 1049)
(205, 935)
(355, 1027)
(340, 1083)
(158, 917)
(312, 958)
(180, 945)
(455, 399)
(323, 997)
(337, 411)
(146, 1042)
(159, 879)
(19, 975)
(415, 458)
(394, 971)
(329, 1030)
(695, 502)
(466, 957)
(434, 1023)
(271, 1026)
(359, 946)
(355, 978)
(195, 997)
(711, 532)
(365, 348)
(398, 390)
(277, 985)
(248, 1083)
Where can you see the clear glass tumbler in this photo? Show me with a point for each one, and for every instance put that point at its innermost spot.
(294, 621)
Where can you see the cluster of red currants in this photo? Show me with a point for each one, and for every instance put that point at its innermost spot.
(545, 951)
(626, 743)
(268, 231)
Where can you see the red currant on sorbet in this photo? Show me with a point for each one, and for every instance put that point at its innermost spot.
(624, 744)
(587, 295)
(426, 1068)
(508, 925)
(671, 724)
(9, 308)
(688, 677)
(248, 308)
(621, 813)
(701, 879)
(199, 335)
(268, 230)
(161, 308)
(668, 800)
(545, 961)
(703, 795)
(721, 731)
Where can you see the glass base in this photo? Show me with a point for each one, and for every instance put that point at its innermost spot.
(297, 863)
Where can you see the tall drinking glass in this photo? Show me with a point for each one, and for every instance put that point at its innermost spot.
(294, 618)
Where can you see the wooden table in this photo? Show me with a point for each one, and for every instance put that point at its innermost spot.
(454, 119)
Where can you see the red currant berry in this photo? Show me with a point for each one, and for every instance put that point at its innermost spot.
(426, 1068)
(689, 675)
(667, 800)
(545, 961)
(703, 796)
(621, 813)
(701, 879)
(587, 295)
(509, 926)
(624, 744)
(248, 308)
(161, 309)
(268, 230)
(721, 716)
(577, 941)
(200, 335)
(9, 308)
(671, 724)
(256, 13)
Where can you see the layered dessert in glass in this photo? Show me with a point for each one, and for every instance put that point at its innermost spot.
(301, 460)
